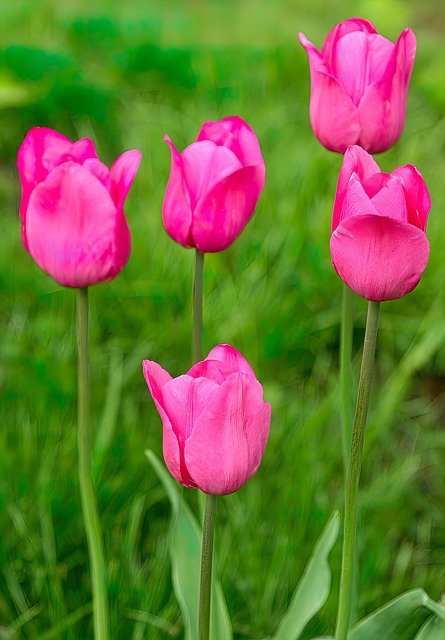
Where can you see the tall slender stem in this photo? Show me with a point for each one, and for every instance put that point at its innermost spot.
(87, 491)
(354, 470)
(208, 530)
(197, 307)
(346, 333)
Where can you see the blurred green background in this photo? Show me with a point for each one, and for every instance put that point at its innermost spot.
(125, 73)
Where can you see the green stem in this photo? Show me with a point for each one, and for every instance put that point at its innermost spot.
(197, 307)
(354, 470)
(208, 531)
(346, 332)
(87, 492)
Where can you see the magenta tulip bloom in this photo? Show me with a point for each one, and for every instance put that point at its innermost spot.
(378, 245)
(359, 86)
(73, 222)
(215, 421)
(214, 186)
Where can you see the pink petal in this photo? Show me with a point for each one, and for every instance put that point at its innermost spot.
(40, 152)
(229, 438)
(358, 60)
(316, 61)
(338, 126)
(379, 258)
(99, 170)
(375, 183)
(122, 246)
(398, 72)
(349, 64)
(30, 153)
(211, 369)
(236, 135)
(123, 173)
(391, 201)
(418, 197)
(356, 202)
(183, 400)
(205, 165)
(71, 222)
(176, 210)
(382, 110)
(231, 358)
(380, 52)
(223, 213)
(156, 377)
(222, 361)
(339, 31)
(356, 160)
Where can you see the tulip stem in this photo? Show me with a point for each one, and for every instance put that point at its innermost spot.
(208, 531)
(197, 307)
(354, 470)
(346, 333)
(87, 491)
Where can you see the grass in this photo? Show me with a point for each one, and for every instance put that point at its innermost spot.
(125, 75)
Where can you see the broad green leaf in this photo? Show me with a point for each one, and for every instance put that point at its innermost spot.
(388, 622)
(313, 589)
(185, 555)
(433, 629)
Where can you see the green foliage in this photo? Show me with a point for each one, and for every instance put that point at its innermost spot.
(395, 619)
(79, 67)
(185, 554)
(313, 589)
(433, 629)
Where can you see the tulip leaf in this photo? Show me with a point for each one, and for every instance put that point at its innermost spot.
(391, 620)
(313, 589)
(185, 556)
(433, 629)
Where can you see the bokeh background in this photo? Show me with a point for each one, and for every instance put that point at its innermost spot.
(124, 74)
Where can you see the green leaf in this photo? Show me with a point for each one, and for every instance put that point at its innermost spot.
(433, 629)
(388, 622)
(185, 556)
(313, 589)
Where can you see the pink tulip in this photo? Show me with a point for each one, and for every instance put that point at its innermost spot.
(214, 186)
(73, 223)
(359, 86)
(215, 421)
(378, 245)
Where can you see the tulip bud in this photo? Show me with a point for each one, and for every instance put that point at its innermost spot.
(359, 86)
(378, 245)
(73, 223)
(214, 186)
(215, 421)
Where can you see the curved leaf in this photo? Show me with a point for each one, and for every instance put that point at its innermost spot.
(433, 629)
(313, 589)
(388, 622)
(185, 556)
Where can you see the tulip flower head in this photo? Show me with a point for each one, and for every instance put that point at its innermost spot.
(215, 422)
(73, 222)
(214, 186)
(359, 86)
(378, 243)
